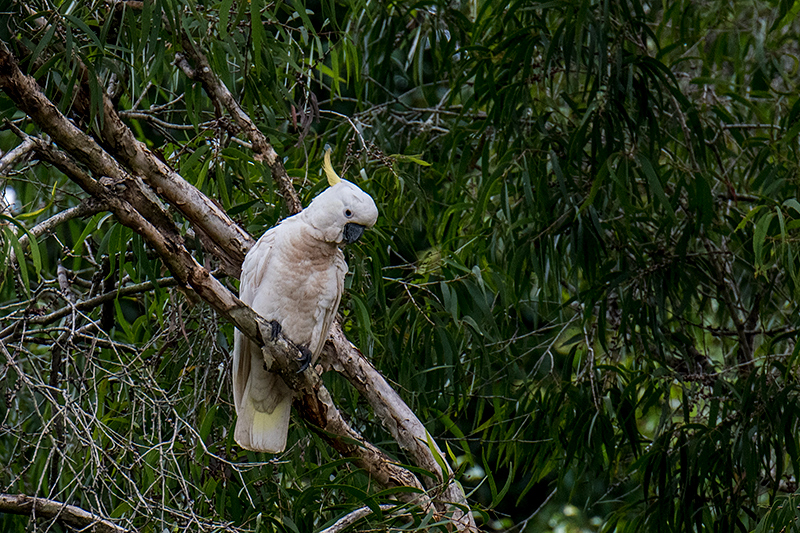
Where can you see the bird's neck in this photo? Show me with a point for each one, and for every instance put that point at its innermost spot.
(308, 242)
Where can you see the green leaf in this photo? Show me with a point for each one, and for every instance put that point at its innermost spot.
(596, 185)
(11, 238)
(124, 324)
(332, 74)
(208, 422)
(403, 158)
(44, 41)
(86, 30)
(749, 216)
(759, 237)
(257, 31)
(793, 204)
(435, 453)
(655, 186)
(93, 224)
(33, 245)
(224, 17)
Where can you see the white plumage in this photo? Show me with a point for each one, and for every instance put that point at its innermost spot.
(294, 275)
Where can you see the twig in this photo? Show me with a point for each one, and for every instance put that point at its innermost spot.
(348, 119)
(86, 208)
(142, 115)
(91, 303)
(751, 126)
(353, 517)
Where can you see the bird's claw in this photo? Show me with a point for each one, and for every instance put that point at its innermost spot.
(305, 358)
(305, 354)
(275, 331)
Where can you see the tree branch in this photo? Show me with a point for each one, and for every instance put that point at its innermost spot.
(86, 208)
(351, 518)
(11, 157)
(222, 97)
(91, 303)
(69, 515)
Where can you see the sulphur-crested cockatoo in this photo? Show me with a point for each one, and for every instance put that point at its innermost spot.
(293, 276)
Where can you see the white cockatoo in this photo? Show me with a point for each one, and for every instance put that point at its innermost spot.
(293, 276)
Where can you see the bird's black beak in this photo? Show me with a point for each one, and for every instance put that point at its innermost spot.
(352, 232)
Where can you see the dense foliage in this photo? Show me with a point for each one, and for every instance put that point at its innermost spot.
(584, 277)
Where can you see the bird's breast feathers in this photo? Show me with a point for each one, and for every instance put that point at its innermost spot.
(296, 280)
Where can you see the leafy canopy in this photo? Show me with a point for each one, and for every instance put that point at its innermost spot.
(584, 277)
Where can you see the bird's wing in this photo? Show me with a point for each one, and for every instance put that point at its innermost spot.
(255, 266)
(327, 308)
(253, 269)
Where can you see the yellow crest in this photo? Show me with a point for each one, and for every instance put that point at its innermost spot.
(333, 177)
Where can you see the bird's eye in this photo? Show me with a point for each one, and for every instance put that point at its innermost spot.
(348, 213)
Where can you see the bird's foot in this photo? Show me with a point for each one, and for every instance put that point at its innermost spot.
(275, 331)
(305, 358)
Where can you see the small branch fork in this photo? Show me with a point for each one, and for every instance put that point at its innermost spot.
(130, 173)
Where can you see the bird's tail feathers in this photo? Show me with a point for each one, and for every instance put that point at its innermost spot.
(256, 429)
(263, 432)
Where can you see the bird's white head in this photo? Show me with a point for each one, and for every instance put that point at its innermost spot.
(341, 212)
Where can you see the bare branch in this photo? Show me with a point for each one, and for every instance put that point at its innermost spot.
(353, 517)
(150, 117)
(11, 157)
(222, 97)
(69, 515)
(91, 303)
(86, 208)
(64, 285)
